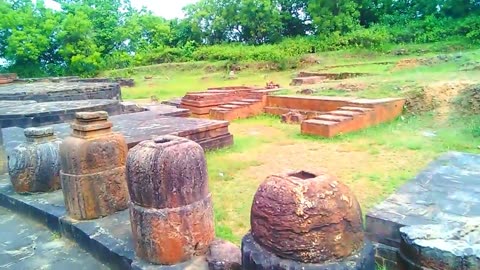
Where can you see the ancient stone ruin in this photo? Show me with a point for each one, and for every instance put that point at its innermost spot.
(171, 207)
(34, 166)
(302, 220)
(93, 168)
(227, 103)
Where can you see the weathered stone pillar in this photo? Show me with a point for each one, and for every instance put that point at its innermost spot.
(171, 208)
(303, 220)
(34, 166)
(93, 168)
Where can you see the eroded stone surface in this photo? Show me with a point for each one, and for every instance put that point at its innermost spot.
(171, 208)
(254, 256)
(26, 244)
(61, 91)
(93, 168)
(223, 255)
(34, 166)
(307, 217)
(449, 246)
(446, 192)
(45, 113)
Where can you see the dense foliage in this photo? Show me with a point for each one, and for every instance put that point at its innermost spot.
(86, 36)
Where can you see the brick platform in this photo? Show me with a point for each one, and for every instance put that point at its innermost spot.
(227, 103)
(60, 91)
(136, 127)
(447, 192)
(26, 114)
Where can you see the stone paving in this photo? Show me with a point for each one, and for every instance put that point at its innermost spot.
(26, 245)
(61, 91)
(137, 127)
(38, 114)
(447, 192)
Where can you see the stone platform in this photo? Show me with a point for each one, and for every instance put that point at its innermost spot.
(27, 244)
(27, 114)
(109, 239)
(446, 193)
(137, 127)
(60, 91)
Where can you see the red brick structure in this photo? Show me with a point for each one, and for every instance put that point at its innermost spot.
(171, 210)
(227, 103)
(93, 168)
(7, 78)
(329, 116)
(302, 218)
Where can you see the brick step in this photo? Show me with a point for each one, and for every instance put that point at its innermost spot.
(250, 100)
(239, 103)
(345, 113)
(333, 118)
(354, 109)
(321, 122)
(228, 106)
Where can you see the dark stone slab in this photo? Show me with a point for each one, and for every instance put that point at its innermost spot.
(26, 244)
(60, 91)
(167, 110)
(173, 102)
(137, 127)
(15, 103)
(449, 246)
(256, 257)
(45, 113)
(448, 190)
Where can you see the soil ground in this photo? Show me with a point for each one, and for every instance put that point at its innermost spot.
(373, 162)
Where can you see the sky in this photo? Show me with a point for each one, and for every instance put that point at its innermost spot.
(168, 9)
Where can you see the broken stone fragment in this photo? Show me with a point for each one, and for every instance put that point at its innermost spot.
(292, 118)
(93, 168)
(171, 209)
(448, 246)
(34, 166)
(223, 255)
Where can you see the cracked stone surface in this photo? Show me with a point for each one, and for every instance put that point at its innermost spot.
(26, 244)
(447, 191)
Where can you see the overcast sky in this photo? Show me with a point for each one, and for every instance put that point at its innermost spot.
(168, 9)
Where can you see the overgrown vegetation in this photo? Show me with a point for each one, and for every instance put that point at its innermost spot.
(87, 36)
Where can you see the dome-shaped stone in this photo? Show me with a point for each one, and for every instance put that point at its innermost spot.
(306, 217)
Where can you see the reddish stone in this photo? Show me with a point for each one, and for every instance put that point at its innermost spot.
(93, 168)
(171, 210)
(292, 118)
(306, 217)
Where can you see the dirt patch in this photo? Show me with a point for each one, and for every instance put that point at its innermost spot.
(407, 64)
(442, 95)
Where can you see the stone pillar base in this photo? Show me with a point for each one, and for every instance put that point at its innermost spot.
(255, 257)
(172, 235)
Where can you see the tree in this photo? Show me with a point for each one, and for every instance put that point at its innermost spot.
(334, 15)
